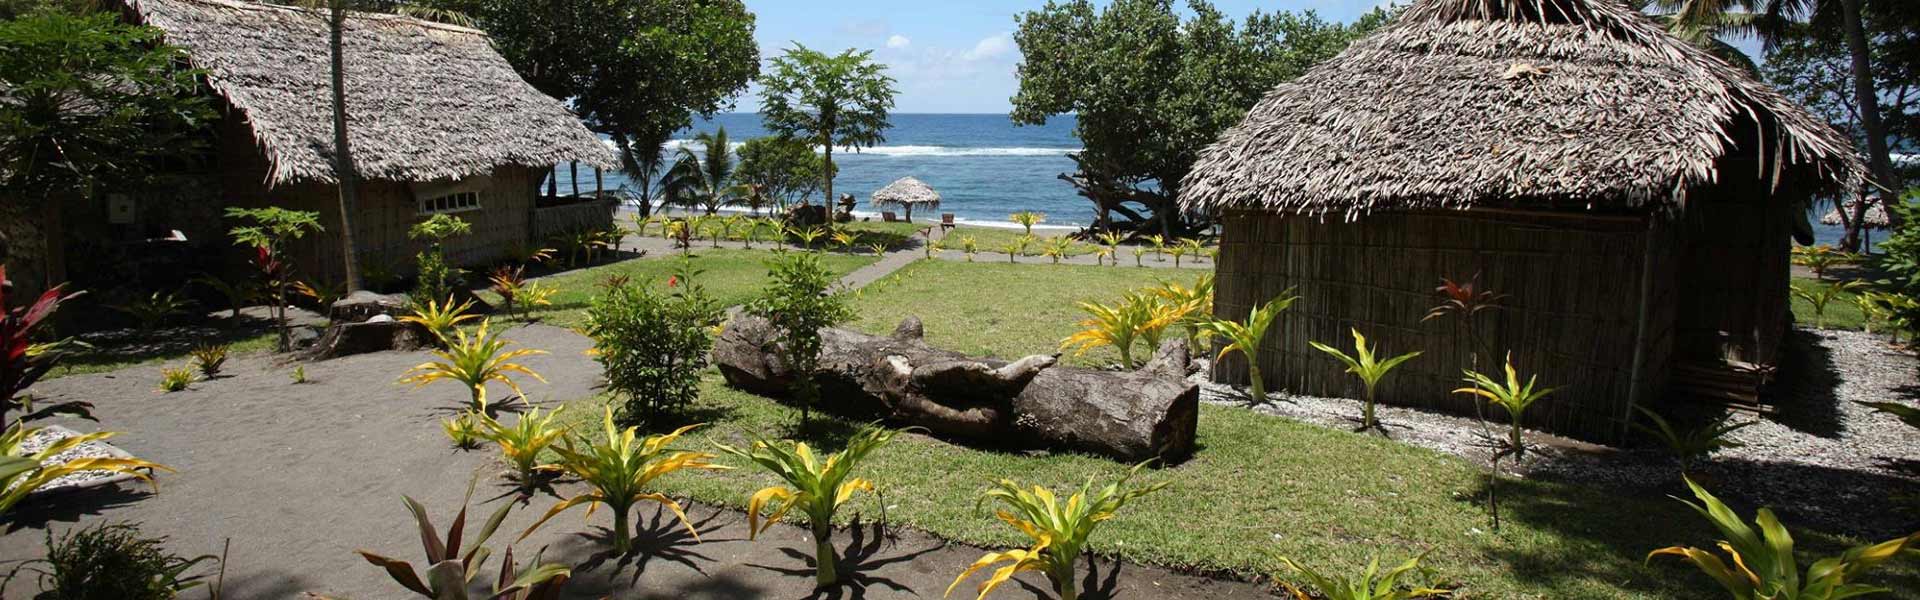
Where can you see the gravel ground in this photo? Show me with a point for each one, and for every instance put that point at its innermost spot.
(1818, 459)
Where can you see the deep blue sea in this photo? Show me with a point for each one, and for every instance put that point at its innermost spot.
(984, 166)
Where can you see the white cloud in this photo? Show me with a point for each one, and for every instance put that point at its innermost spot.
(898, 41)
(990, 48)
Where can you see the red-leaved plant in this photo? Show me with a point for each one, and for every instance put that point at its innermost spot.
(25, 361)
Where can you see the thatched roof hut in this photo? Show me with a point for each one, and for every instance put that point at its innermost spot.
(439, 123)
(1875, 217)
(907, 193)
(1568, 153)
(1566, 103)
(425, 100)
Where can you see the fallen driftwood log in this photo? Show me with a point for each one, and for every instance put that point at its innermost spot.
(1031, 402)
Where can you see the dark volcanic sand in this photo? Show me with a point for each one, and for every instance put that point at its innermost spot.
(298, 476)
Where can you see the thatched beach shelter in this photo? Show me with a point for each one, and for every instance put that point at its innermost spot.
(439, 123)
(907, 193)
(1631, 195)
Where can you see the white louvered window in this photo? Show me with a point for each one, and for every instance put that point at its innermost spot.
(450, 203)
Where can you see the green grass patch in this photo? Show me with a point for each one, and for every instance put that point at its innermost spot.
(732, 276)
(1843, 312)
(1261, 486)
(999, 309)
(992, 241)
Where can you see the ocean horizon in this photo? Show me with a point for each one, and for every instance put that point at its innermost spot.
(984, 166)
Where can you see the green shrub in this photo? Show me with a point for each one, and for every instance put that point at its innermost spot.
(436, 279)
(653, 345)
(111, 561)
(798, 303)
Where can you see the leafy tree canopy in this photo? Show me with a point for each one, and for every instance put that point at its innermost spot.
(91, 101)
(835, 101)
(785, 168)
(636, 70)
(1811, 65)
(1151, 89)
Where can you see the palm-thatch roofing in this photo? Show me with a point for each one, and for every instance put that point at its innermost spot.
(1546, 103)
(1874, 218)
(425, 100)
(907, 191)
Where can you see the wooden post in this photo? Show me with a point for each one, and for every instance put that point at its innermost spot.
(573, 176)
(599, 186)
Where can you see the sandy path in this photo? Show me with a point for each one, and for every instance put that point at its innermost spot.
(298, 476)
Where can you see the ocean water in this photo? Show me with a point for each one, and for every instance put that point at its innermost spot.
(984, 166)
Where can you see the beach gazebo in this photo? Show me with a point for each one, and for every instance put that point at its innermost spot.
(1630, 195)
(906, 193)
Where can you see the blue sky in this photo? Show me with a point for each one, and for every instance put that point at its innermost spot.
(950, 56)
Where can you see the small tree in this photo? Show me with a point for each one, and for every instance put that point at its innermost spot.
(267, 232)
(785, 168)
(436, 280)
(701, 179)
(799, 303)
(832, 101)
(653, 346)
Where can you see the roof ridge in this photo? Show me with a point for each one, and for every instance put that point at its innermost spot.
(356, 14)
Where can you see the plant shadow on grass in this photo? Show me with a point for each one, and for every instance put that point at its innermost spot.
(40, 511)
(1606, 537)
(857, 562)
(1805, 399)
(124, 347)
(660, 537)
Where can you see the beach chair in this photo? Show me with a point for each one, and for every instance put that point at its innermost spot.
(888, 216)
(946, 221)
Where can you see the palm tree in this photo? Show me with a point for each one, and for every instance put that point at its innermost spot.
(702, 181)
(348, 177)
(643, 161)
(1685, 20)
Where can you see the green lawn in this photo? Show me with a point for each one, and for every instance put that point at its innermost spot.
(1258, 486)
(1842, 311)
(732, 276)
(999, 309)
(992, 240)
(1261, 485)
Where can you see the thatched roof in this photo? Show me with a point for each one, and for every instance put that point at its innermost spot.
(1876, 215)
(1543, 103)
(907, 190)
(424, 100)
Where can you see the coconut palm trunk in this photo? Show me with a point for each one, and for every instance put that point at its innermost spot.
(348, 178)
(1879, 161)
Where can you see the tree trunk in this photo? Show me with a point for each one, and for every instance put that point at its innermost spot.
(1879, 161)
(553, 182)
(349, 178)
(1132, 415)
(573, 176)
(599, 185)
(829, 175)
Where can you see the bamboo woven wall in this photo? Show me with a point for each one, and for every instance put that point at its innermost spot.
(549, 221)
(387, 209)
(1574, 290)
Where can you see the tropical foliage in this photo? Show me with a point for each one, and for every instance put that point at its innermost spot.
(1371, 584)
(1688, 445)
(818, 488)
(1764, 567)
(474, 360)
(1509, 394)
(619, 470)
(1244, 337)
(1370, 370)
(440, 318)
(23, 472)
(831, 101)
(1059, 531)
(112, 560)
(653, 346)
(522, 443)
(798, 303)
(456, 558)
(1138, 317)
